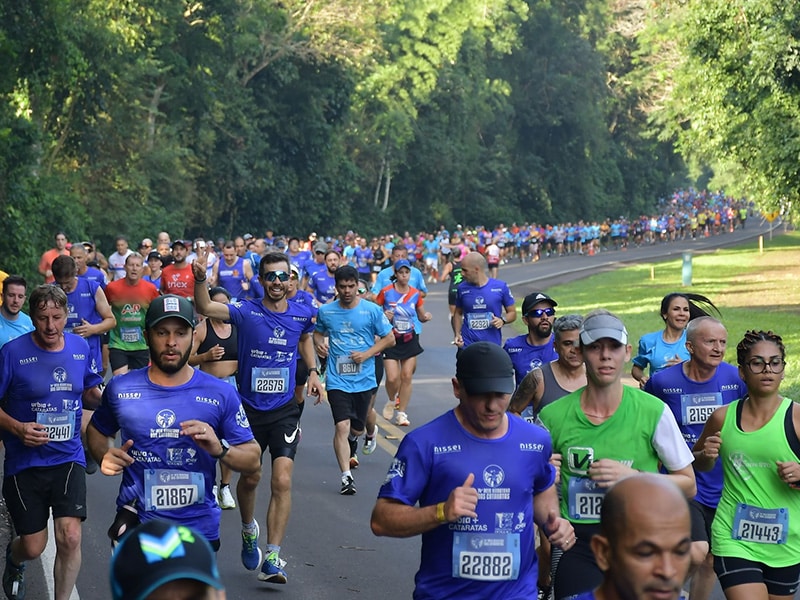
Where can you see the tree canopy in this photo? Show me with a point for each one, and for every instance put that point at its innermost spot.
(215, 118)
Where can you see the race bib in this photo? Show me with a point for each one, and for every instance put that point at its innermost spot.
(696, 408)
(166, 489)
(486, 556)
(269, 381)
(402, 324)
(130, 334)
(60, 426)
(479, 321)
(584, 498)
(347, 366)
(760, 525)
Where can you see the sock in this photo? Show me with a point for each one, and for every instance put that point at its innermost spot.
(352, 437)
(346, 474)
(273, 548)
(372, 435)
(249, 527)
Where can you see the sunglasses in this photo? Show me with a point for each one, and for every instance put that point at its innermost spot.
(271, 276)
(541, 312)
(362, 290)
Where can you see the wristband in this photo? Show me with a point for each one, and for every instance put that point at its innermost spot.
(503, 319)
(203, 280)
(313, 370)
(440, 516)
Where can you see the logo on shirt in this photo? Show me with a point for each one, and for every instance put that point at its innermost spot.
(447, 449)
(673, 390)
(278, 336)
(241, 418)
(579, 459)
(493, 476)
(60, 378)
(131, 309)
(480, 302)
(396, 469)
(535, 364)
(29, 360)
(165, 419)
(531, 447)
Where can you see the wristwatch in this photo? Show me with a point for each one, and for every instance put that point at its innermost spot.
(314, 369)
(225, 448)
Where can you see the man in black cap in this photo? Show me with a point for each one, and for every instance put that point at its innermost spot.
(175, 424)
(473, 482)
(533, 349)
(161, 560)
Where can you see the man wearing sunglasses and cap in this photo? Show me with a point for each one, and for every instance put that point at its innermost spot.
(271, 332)
(473, 482)
(535, 348)
(603, 433)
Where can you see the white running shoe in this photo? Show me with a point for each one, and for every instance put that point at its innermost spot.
(402, 419)
(225, 498)
(388, 410)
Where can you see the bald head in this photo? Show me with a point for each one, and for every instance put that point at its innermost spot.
(642, 493)
(644, 543)
(474, 259)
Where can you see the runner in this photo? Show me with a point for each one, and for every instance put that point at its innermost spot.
(345, 333)
(401, 303)
(45, 379)
(175, 423)
(603, 433)
(756, 530)
(215, 351)
(473, 482)
(535, 348)
(480, 302)
(270, 333)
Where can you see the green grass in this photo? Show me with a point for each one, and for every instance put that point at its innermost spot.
(752, 290)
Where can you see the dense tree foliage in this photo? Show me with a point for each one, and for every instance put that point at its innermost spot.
(127, 118)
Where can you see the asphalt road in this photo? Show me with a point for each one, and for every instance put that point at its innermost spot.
(331, 552)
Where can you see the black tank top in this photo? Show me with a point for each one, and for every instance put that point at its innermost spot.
(228, 344)
(455, 277)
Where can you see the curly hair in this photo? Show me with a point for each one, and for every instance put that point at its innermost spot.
(751, 338)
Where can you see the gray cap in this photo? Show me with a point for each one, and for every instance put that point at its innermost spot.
(598, 326)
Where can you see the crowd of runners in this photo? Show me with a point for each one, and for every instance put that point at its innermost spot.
(201, 354)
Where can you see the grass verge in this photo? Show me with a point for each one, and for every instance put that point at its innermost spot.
(753, 290)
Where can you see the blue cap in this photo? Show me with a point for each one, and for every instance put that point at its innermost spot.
(402, 263)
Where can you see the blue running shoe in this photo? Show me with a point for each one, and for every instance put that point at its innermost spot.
(272, 569)
(251, 553)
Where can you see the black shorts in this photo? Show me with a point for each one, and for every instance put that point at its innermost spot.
(301, 375)
(350, 405)
(702, 517)
(134, 359)
(577, 570)
(780, 581)
(403, 350)
(277, 430)
(378, 371)
(30, 494)
(452, 293)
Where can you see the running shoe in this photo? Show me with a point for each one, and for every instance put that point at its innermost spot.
(14, 577)
(388, 410)
(225, 498)
(348, 486)
(402, 419)
(370, 443)
(353, 453)
(251, 553)
(272, 569)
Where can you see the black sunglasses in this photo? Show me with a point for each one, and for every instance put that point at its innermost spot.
(271, 276)
(540, 312)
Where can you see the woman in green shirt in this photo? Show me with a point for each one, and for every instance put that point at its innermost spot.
(755, 536)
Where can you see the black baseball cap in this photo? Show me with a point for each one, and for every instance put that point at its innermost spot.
(485, 368)
(185, 243)
(165, 307)
(158, 552)
(155, 254)
(533, 299)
